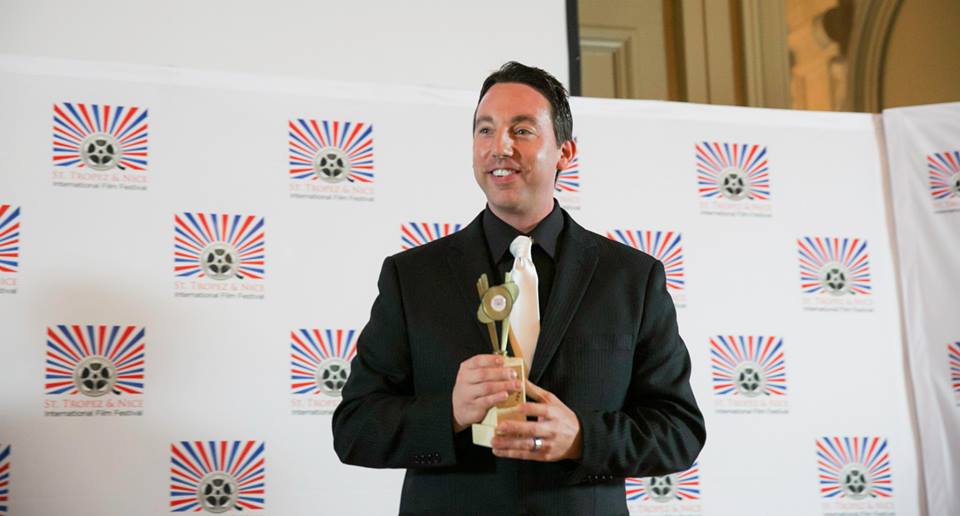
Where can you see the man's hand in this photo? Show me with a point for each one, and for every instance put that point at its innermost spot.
(482, 382)
(556, 426)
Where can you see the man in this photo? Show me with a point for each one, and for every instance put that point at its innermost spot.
(608, 371)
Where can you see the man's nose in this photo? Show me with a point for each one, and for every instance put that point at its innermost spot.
(504, 145)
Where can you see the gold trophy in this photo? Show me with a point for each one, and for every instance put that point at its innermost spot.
(495, 305)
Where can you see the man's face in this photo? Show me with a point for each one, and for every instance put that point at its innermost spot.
(515, 152)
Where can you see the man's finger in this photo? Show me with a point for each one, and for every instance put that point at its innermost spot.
(491, 399)
(538, 393)
(478, 361)
(490, 374)
(524, 444)
(487, 388)
(534, 409)
(526, 429)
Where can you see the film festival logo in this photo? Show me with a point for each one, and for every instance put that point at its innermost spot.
(319, 368)
(9, 248)
(567, 187)
(664, 246)
(835, 274)
(331, 160)
(953, 354)
(218, 256)
(415, 234)
(678, 493)
(855, 475)
(99, 146)
(944, 175)
(4, 479)
(94, 371)
(733, 179)
(749, 375)
(217, 476)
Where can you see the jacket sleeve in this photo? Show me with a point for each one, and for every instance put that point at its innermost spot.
(659, 430)
(381, 422)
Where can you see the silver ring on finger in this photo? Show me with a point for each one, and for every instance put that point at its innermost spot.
(537, 444)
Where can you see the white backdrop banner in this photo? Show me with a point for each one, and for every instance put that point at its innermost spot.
(923, 145)
(186, 259)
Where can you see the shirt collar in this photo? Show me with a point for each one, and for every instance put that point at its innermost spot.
(500, 234)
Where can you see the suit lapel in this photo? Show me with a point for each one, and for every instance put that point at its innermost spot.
(466, 260)
(576, 264)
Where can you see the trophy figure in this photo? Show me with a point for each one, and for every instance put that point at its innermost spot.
(495, 306)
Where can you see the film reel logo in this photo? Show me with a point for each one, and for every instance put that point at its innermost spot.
(4, 479)
(217, 476)
(330, 151)
(953, 358)
(943, 173)
(665, 246)
(218, 246)
(9, 238)
(682, 486)
(834, 266)
(855, 468)
(320, 360)
(94, 361)
(732, 171)
(414, 234)
(748, 366)
(100, 137)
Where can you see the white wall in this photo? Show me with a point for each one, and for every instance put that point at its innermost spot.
(450, 44)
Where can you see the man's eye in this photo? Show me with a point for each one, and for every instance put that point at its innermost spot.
(523, 131)
(483, 130)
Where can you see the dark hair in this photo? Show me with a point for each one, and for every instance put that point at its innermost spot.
(546, 84)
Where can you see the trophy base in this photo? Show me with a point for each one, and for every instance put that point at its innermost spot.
(484, 431)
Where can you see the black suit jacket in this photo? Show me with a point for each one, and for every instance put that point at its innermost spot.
(608, 348)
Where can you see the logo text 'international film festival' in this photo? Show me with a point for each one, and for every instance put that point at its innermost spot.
(217, 476)
(835, 273)
(854, 468)
(733, 179)
(665, 246)
(320, 360)
(94, 370)
(330, 159)
(943, 170)
(953, 354)
(749, 374)
(219, 255)
(4, 479)
(413, 234)
(100, 146)
(678, 492)
(9, 248)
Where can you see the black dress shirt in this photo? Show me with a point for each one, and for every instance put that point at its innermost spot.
(546, 239)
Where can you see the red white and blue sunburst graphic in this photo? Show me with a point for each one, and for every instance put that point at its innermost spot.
(854, 468)
(94, 360)
(4, 479)
(953, 352)
(662, 245)
(217, 476)
(733, 171)
(836, 266)
(320, 360)
(331, 151)
(748, 366)
(568, 179)
(413, 234)
(9, 238)
(683, 486)
(99, 137)
(944, 174)
(218, 246)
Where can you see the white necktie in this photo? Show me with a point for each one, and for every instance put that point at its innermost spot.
(525, 316)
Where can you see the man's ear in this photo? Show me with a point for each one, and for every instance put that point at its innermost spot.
(567, 152)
